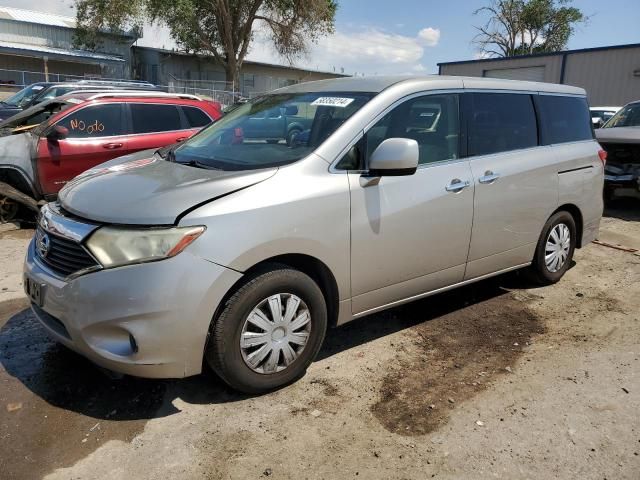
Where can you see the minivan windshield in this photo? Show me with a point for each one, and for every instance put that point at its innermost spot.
(270, 131)
(629, 116)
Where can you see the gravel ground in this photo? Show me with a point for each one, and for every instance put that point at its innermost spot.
(492, 380)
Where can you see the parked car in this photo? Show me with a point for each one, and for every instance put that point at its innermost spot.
(42, 91)
(620, 137)
(276, 124)
(242, 253)
(16, 102)
(600, 115)
(47, 145)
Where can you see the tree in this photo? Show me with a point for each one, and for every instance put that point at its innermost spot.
(223, 29)
(517, 27)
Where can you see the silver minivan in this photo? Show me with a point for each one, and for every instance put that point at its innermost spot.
(240, 252)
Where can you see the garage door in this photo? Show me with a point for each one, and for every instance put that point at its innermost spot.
(533, 74)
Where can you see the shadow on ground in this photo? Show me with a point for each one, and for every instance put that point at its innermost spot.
(51, 395)
(623, 208)
(68, 381)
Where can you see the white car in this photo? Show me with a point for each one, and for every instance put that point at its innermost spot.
(600, 115)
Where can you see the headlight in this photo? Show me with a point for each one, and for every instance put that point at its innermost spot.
(113, 246)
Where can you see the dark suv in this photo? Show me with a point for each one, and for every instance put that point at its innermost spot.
(41, 91)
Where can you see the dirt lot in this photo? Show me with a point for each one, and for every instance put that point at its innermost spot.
(493, 380)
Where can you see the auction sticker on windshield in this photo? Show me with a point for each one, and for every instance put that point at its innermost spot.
(332, 102)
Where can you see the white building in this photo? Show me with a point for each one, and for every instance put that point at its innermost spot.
(37, 46)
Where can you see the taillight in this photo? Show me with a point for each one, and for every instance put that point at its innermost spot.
(603, 156)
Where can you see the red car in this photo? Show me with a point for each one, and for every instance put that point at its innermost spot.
(45, 146)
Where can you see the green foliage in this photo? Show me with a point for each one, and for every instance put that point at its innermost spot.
(223, 29)
(516, 27)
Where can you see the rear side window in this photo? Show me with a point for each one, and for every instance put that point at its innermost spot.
(149, 118)
(564, 119)
(196, 117)
(94, 121)
(501, 122)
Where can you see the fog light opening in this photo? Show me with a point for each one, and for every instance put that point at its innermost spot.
(133, 343)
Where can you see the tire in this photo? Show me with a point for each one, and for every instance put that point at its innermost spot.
(231, 362)
(291, 135)
(539, 271)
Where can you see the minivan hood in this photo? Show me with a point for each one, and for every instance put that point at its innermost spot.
(149, 190)
(618, 135)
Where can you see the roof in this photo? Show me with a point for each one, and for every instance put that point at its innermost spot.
(544, 54)
(41, 18)
(50, 19)
(246, 62)
(376, 84)
(58, 52)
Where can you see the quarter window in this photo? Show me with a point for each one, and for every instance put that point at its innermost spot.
(432, 121)
(501, 122)
(94, 121)
(149, 118)
(196, 117)
(565, 119)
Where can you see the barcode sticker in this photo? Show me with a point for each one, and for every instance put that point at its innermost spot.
(332, 102)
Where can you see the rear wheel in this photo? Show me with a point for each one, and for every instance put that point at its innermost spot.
(554, 251)
(291, 136)
(269, 331)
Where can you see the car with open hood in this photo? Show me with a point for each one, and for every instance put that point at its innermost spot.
(239, 251)
(620, 137)
(45, 146)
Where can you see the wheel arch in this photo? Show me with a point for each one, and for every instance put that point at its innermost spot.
(18, 179)
(307, 264)
(575, 212)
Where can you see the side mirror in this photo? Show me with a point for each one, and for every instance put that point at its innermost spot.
(394, 157)
(58, 132)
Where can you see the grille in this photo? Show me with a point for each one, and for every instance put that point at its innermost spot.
(64, 256)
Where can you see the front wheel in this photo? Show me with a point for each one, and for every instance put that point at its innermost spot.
(269, 331)
(554, 250)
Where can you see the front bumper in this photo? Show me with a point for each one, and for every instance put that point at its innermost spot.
(147, 320)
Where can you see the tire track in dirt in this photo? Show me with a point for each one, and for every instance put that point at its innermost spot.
(456, 355)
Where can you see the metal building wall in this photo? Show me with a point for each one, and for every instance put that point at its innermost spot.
(606, 75)
(611, 76)
(552, 66)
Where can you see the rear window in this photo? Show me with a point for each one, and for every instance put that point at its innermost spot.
(149, 118)
(501, 122)
(196, 117)
(564, 119)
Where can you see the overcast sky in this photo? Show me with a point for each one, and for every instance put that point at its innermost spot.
(405, 36)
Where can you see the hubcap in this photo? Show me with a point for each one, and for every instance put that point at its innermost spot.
(8, 209)
(557, 248)
(275, 333)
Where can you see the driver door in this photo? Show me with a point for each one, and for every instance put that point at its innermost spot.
(411, 234)
(95, 135)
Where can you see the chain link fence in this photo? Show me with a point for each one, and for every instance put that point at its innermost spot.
(226, 93)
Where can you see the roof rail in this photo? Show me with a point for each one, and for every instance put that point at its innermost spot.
(137, 83)
(141, 93)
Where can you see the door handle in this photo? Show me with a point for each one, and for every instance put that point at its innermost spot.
(489, 177)
(181, 139)
(457, 185)
(111, 146)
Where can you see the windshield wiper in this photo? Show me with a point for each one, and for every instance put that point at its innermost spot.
(197, 164)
